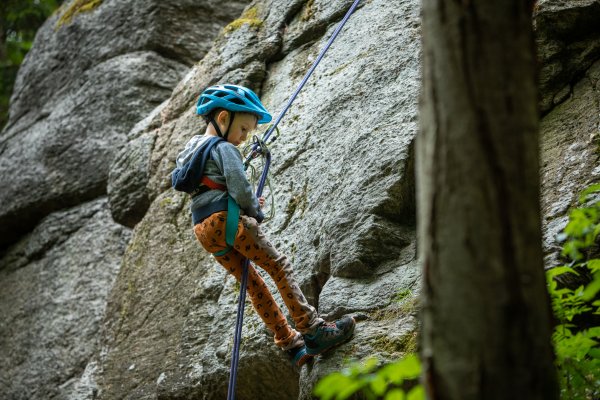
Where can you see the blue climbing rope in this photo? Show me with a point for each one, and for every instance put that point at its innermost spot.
(235, 357)
(267, 134)
(260, 148)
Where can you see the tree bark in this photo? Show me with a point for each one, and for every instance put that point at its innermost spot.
(486, 316)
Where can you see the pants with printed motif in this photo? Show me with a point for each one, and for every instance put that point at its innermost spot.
(251, 243)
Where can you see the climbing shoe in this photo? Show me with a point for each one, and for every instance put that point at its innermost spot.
(299, 356)
(328, 335)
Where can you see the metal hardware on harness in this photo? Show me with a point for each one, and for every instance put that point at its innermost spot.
(255, 149)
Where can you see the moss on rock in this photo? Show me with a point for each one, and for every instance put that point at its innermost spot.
(309, 11)
(76, 7)
(404, 344)
(249, 17)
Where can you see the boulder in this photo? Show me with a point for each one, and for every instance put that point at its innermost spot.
(570, 136)
(82, 87)
(344, 208)
(568, 43)
(53, 288)
(92, 310)
(129, 172)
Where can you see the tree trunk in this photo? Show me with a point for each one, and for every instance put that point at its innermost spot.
(487, 319)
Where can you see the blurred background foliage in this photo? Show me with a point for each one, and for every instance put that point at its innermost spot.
(19, 21)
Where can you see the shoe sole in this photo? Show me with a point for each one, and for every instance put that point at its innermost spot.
(334, 345)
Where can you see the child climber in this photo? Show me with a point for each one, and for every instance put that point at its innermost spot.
(231, 112)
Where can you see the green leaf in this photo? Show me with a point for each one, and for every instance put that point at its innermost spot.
(416, 393)
(594, 353)
(349, 390)
(594, 332)
(592, 288)
(395, 394)
(589, 190)
(407, 368)
(557, 271)
(571, 250)
(329, 386)
(594, 265)
(378, 385)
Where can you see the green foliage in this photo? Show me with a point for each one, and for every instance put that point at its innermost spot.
(577, 347)
(19, 22)
(395, 381)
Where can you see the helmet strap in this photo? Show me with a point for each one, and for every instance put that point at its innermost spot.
(216, 126)
(232, 113)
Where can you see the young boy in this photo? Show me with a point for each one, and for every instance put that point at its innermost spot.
(232, 112)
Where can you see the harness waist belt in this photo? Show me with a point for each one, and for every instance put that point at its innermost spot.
(212, 184)
(200, 214)
(200, 190)
(207, 184)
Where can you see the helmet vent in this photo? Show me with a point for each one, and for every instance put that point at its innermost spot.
(237, 101)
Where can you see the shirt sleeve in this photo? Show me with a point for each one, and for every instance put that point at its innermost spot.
(239, 188)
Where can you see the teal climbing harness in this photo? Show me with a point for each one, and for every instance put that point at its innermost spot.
(259, 148)
(231, 226)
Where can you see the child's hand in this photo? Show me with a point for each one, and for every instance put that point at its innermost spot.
(261, 201)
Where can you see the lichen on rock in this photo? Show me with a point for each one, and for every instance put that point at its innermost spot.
(249, 17)
(76, 7)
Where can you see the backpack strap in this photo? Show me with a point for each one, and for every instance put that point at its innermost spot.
(205, 183)
(187, 178)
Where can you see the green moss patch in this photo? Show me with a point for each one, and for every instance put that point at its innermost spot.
(249, 17)
(77, 7)
(309, 11)
(404, 344)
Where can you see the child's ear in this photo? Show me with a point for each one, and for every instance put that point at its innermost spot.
(223, 117)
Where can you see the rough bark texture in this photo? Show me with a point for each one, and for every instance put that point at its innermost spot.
(486, 313)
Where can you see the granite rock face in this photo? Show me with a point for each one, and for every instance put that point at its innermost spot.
(129, 172)
(80, 90)
(90, 309)
(570, 136)
(53, 289)
(568, 39)
(344, 203)
(79, 94)
(343, 179)
(568, 43)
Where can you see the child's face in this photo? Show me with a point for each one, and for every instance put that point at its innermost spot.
(242, 125)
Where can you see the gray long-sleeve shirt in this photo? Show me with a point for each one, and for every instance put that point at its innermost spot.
(225, 167)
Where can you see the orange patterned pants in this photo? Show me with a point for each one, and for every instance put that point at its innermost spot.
(251, 243)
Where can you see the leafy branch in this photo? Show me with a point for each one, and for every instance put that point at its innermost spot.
(576, 336)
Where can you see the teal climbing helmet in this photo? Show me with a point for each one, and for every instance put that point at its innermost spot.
(232, 98)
